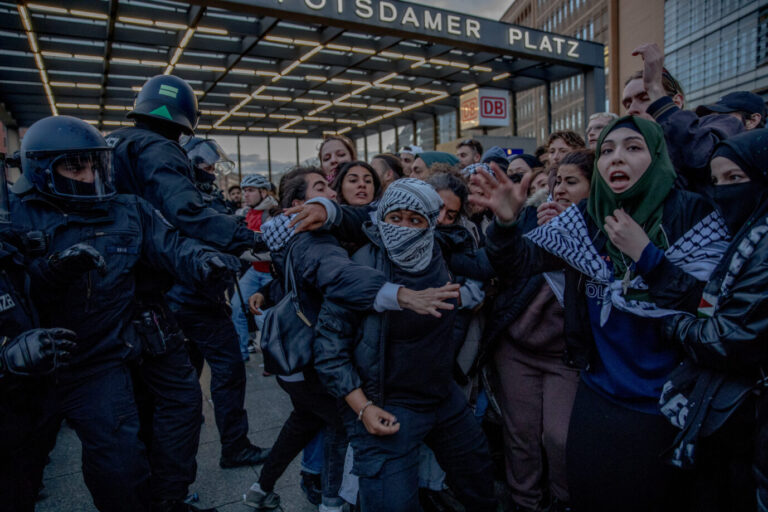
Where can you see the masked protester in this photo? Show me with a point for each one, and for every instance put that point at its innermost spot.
(394, 370)
(710, 398)
(637, 250)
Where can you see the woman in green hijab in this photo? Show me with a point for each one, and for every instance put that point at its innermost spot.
(636, 251)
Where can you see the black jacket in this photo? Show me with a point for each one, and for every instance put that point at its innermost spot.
(127, 231)
(157, 169)
(350, 349)
(669, 286)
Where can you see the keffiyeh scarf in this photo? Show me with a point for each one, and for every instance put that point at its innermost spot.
(697, 252)
(276, 231)
(409, 248)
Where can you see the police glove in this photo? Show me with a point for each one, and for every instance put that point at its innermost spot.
(218, 268)
(77, 260)
(37, 352)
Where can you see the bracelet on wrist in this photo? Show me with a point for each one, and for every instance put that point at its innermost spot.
(362, 410)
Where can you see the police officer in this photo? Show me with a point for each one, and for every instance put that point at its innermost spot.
(29, 356)
(67, 192)
(209, 162)
(150, 163)
(205, 319)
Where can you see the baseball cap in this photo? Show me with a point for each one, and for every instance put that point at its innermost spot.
(411, 150)
(740, 101)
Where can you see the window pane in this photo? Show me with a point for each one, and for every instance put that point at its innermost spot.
(388, 141)
(283, 156)
(308, 149)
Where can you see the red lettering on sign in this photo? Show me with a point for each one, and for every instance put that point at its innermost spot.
(469, 110)
(492, 107)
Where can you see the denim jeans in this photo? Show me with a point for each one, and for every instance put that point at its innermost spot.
(313, 411)
(251, 282)
(388, 466)
(313, 456)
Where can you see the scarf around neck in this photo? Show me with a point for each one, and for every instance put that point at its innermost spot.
(643, 201)
(409, 248)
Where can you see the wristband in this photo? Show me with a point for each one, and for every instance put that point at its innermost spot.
(362, 410)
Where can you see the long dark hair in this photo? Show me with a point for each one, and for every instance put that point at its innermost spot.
(344, 169)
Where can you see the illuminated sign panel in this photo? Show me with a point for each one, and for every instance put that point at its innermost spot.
(484, 108)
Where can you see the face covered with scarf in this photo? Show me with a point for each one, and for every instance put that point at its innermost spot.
(739, 166)
(633, 177)
(406, 219)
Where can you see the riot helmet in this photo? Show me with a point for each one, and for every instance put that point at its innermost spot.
(170, 99)
(207, 156)
(66, 158)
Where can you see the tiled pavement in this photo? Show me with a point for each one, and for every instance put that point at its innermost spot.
(268, 407)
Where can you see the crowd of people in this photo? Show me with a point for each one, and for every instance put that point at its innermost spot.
(600, 304)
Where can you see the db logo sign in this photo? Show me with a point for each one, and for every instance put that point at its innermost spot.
(494, 108)
(469, 110)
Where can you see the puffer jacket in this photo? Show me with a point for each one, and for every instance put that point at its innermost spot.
(350, 349)
(669, 287)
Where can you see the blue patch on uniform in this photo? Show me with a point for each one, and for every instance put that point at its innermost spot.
(6, 302)
(121, 249)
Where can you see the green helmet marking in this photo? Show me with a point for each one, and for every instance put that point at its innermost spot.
(162, 111)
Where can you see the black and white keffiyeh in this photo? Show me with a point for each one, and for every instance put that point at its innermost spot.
(409, 248)
(697, 252)
(276, 231)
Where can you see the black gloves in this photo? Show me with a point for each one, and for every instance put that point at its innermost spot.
(259, 244)
(218, 268)
(77, 260)
(37, 352)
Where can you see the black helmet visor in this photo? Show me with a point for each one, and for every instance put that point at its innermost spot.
(82, 174)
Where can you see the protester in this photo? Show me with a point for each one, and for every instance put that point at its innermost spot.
(257, 211)
(562, 142)
(323, 270)
(389, 168)
(414, 380)
(747, 107)
(234, 197)
(654, 94)
(407, 155)
(357, 184)
(625, 268)
(522, 164)
(537, 388)
(539, 182)
(726, 344)
(597, 122)
(424, 162)
(497, 155)
(334, 151)
(469, 152)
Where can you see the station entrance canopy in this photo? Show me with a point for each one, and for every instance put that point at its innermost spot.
(305, 67)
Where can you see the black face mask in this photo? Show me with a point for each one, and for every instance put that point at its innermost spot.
(736, 202)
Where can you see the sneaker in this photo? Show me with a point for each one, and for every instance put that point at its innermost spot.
(260, 500)
(311, 484)
(253, 348)
(248, 456)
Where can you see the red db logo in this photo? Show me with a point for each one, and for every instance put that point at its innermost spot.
(495, 108)
(469, 110)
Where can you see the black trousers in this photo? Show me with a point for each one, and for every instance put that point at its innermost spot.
(613, 459)
(211, 337)
(314, 410)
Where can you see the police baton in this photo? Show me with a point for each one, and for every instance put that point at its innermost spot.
(248, 316)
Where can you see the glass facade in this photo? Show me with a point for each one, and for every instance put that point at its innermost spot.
(715, 46)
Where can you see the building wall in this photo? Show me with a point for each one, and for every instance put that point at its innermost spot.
(584, 19)
(717, 46)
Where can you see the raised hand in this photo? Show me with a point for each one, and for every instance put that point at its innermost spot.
(503, 197)
(653, 65)
(548, 211)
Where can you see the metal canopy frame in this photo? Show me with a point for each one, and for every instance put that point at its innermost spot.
(273, 67)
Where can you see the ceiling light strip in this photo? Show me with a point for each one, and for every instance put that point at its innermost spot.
(26, 21)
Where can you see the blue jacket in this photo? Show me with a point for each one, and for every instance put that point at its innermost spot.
(127, 231)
